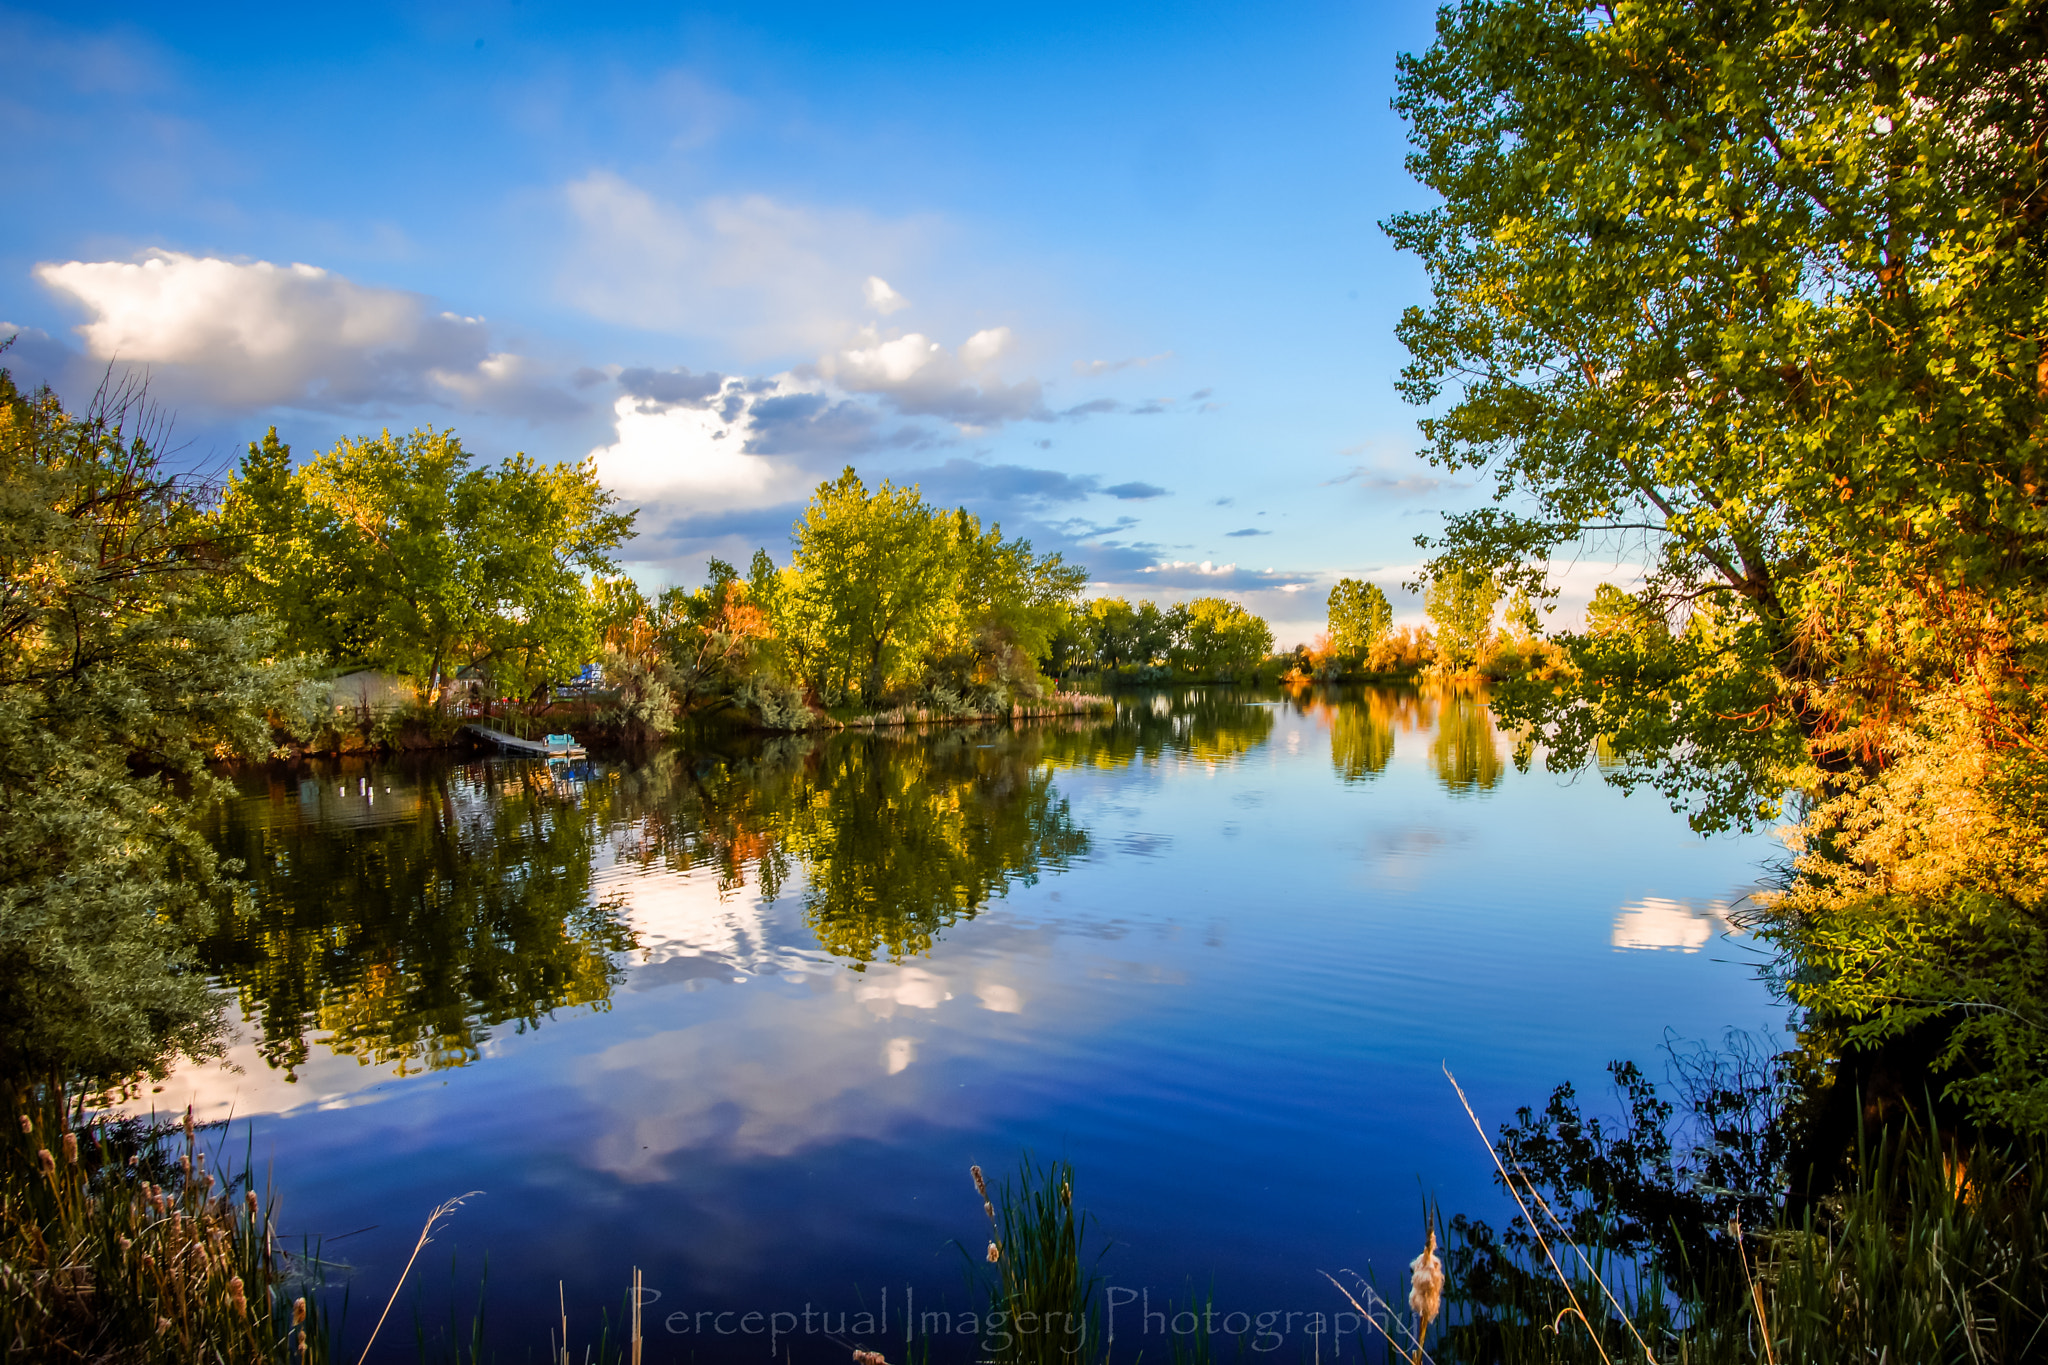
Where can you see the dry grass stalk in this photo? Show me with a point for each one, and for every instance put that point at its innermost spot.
(1576, 1309)
(441, 1211)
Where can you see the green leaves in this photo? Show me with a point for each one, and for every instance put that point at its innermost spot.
(401, 553)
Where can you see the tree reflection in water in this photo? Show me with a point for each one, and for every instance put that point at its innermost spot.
(408, 921)
(1465, 753)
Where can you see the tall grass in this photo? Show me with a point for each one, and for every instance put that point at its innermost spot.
(119, 1244)
(1930, 1251)
(1039, 1277)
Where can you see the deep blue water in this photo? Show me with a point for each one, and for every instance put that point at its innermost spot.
(1216, 954)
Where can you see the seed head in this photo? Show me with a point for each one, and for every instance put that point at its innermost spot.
(1426, 1284)
(26, 1126)
(46, 1161)
(163, 1325)
(1066, 1194)
(299, 1311)
(188, 1123)
(237, 1300)
(302, 1343)
(126, 1243)
(185, 1164)
(71, 1149)
(989, 1209)
(980, 1185)
(995, 1253)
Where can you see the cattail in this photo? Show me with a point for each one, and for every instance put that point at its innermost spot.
(1426, 1285)
(1066, 1194)
(995, 1253)
(188, 1123)
(26, 1125)
(46, 1161)
(298, 1311)
(202, 1161)
(236, 1299)
(126, 1243)
(134, 1160)
(185, 1165)
(302, 1341)
(989, 1209)
(250, 1200)
(71, 1149)
(980, 1185)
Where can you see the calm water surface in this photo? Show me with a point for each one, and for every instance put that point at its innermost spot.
(744, 1017)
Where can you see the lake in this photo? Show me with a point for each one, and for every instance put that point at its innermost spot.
(742, 1016)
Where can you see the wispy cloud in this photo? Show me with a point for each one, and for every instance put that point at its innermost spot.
(1093, 368)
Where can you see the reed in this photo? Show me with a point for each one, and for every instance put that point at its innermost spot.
(1929, 1251)
(1037, 1272)
(119, 1244)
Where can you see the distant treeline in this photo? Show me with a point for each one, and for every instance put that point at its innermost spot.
(407, 555)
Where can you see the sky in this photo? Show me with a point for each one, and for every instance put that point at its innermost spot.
(1110, 275)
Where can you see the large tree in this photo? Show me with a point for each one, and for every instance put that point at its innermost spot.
(1757, 291)
(1360, 616)
(402, 552)
(1755, 294)
(117, 682)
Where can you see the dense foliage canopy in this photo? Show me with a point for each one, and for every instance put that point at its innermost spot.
(115, 685)
(1757, 296)
(402, 553)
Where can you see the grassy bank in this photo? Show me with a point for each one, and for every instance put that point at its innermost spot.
(121, 1242)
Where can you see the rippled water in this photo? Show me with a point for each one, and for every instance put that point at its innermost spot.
(743, 1018)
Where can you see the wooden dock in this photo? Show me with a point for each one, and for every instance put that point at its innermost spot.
(531, 747)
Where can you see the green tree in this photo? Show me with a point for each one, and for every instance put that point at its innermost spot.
(1360, 616)
(1460, 602)
(1217, 639)
(1112, 632)
(116, 683)
(873, 584)
(401, 553)
(1760, 291)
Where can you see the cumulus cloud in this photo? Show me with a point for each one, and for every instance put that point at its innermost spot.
(252, 333)
(672, 386)
(882, 298)
(919, 377)
(689, 456)
(1135, 491)
(764, 277)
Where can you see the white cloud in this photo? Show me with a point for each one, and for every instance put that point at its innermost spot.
(692, 458)
(763, 277)
(253, 333)
(882, 298)
(919, 377)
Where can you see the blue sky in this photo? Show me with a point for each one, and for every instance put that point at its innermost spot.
(1109, 274)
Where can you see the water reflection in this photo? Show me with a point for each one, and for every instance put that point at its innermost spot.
(405, 918)
(1466, 751)
(404, 913)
